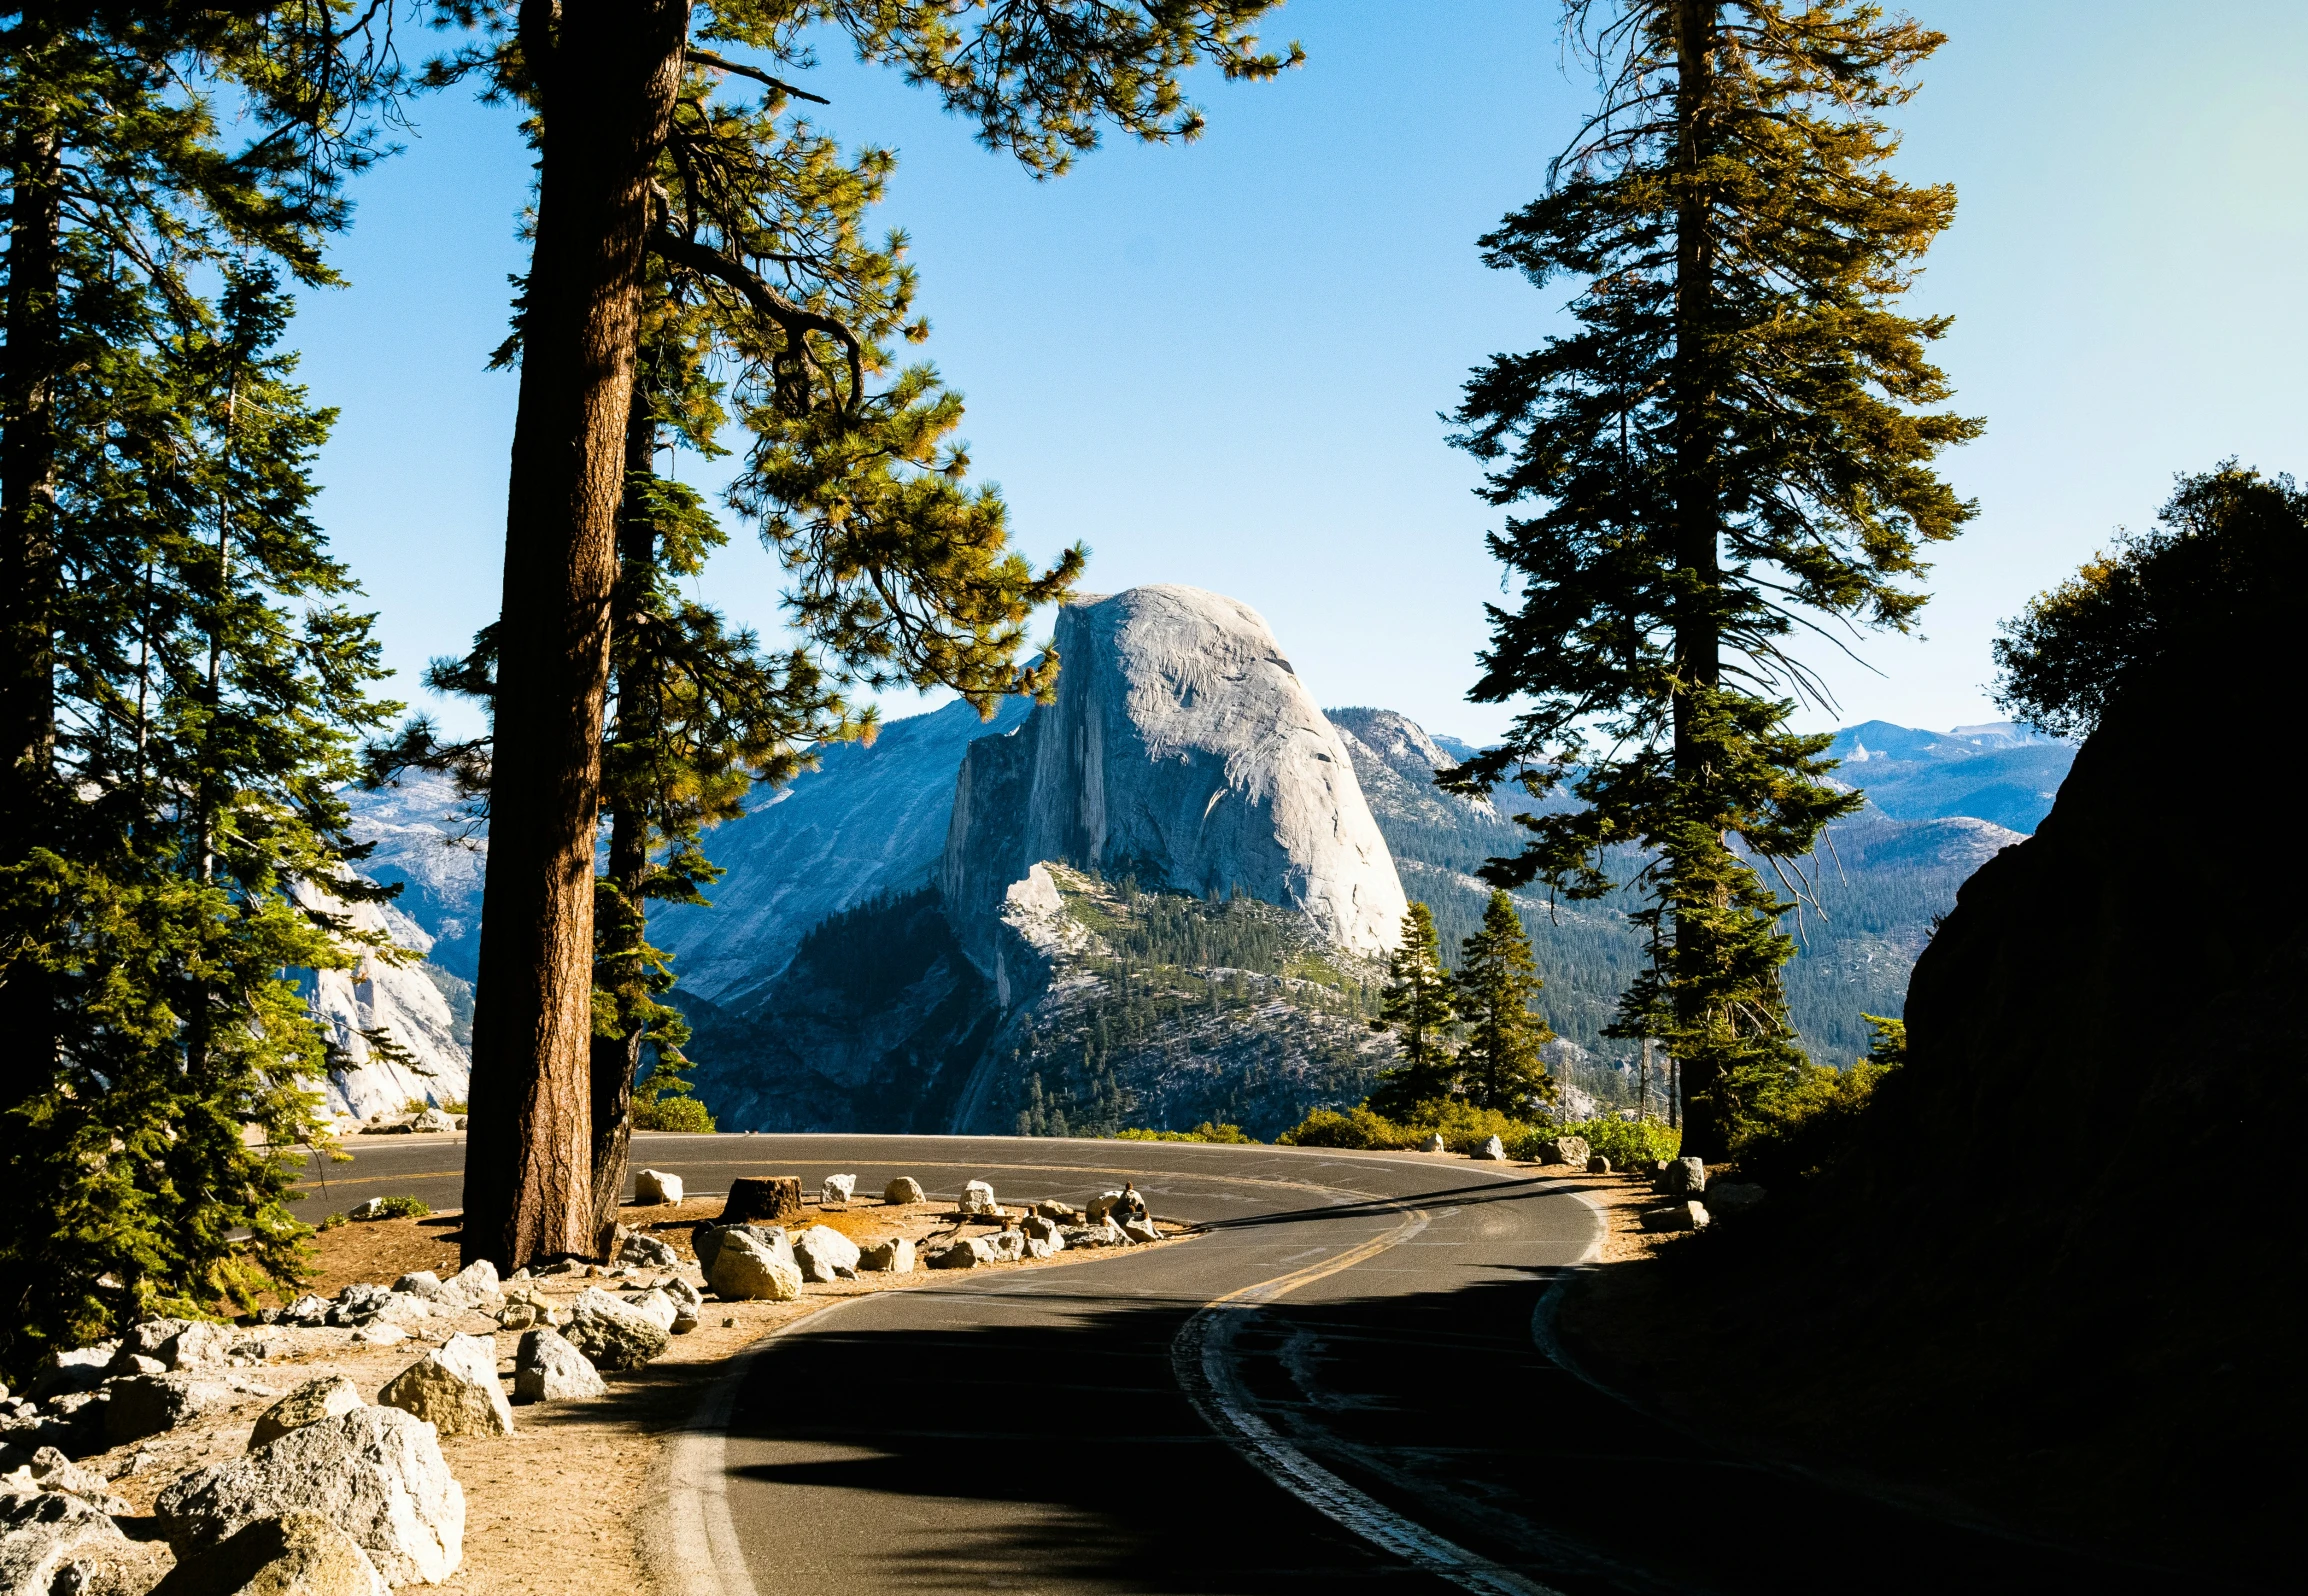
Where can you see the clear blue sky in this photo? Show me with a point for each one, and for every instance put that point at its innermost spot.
(1221, 363)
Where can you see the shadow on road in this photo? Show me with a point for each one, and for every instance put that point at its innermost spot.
(996, 1436)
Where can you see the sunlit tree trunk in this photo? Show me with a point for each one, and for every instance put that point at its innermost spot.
(607, 72)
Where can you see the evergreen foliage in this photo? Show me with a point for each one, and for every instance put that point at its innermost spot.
(1500, 1068)
(1418, 1008)
(2229, 557)
(210, 684)
(1734, 442)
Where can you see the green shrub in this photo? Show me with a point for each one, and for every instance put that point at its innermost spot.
(332, 1221)
(403, 1208)
(1804, 1128)
(1357, 1127)
(455, 1106)
(1204, 1132)
(1463, 1128)
(1624, 1142)
(671, 1113)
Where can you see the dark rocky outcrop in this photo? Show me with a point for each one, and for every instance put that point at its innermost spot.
(2052, 1270)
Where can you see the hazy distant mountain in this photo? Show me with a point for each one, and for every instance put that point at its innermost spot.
(2004, 773)
(849, 856)
(869, 822)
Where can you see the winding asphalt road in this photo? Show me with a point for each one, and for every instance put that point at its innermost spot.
(1338, 1385)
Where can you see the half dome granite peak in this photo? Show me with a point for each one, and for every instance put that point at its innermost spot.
(1184, 750)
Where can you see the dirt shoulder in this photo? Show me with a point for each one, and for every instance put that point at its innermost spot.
(551, 1510)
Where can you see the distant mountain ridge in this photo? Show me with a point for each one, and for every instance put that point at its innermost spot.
(858, 843)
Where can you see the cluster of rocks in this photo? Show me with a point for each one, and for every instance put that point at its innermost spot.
(429, 1120)
(157, 1376)
(1111, 1219)
(1685, 1180)
(341, 1493)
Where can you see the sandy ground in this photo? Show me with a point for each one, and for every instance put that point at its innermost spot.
(552, 1508)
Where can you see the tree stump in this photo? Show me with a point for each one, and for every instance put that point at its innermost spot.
(761, 1197)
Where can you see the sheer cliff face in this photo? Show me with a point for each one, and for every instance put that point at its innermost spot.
(1183, 750)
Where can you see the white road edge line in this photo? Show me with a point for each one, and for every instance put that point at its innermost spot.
(1201, 1358)
(692, 1544)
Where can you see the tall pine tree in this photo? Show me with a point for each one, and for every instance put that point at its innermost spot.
(1500, 1066)
(211, 687)
(1417, 1007)
(1733, 443)
(604, 86)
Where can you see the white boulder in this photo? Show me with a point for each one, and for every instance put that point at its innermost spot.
(301, 1553)
(42, 1532)
(824, 1254)
(751, 1266)
(375, 1473)
(904, 1189)
(654, 1187)
(612, 1332)
(546, 1368)
(837, 1189)
(325, 1398)
(454, 1389)
(893, 1255)
(978, 1198)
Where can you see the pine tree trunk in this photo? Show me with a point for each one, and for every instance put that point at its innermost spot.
(1698, 639)
(29, 576)
(607, 85)
(616, 1059)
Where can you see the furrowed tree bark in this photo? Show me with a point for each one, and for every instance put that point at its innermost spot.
(617, 1059)
(29, 574)
(606, 76)
(1698, 639)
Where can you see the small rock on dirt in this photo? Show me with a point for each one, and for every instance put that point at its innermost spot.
(1063, 1213)
(432, 1119)
(51, 1470)
(904, 1189)
(653, 1187)
(1676, 1216)
(298, 1552)
(1571, 1150)
(1597, 1164)
(837, 1189)
(1105, 1233)
(960, 1253)
(978, 1198)
(1141, 1230)
(651, 1252)
(1435, 1143)
(1494, 1150)
(613, 1333)
(894, 1255)
(1684, 1177)
(546, 1368)
(454, 1389)
(315, 1400)
(754, 1266)
(824, 1254)
(375, 1473)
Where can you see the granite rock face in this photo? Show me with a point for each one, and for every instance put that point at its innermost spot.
(1182, 749)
